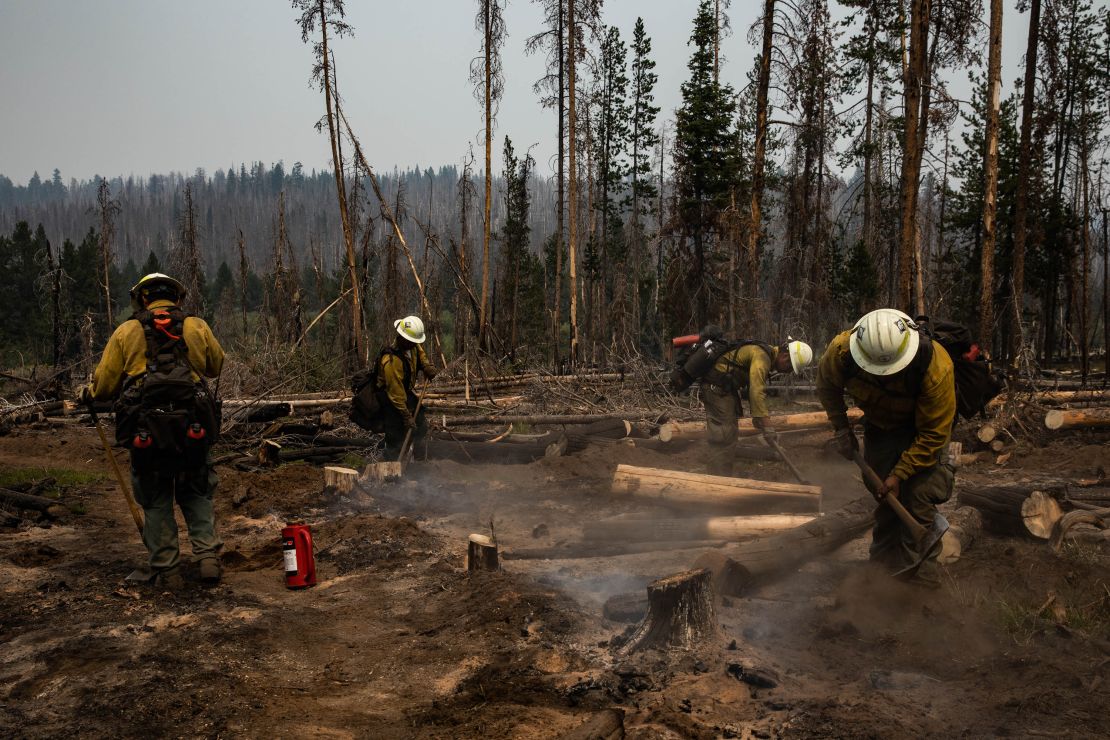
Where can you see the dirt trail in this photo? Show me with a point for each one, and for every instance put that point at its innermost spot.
(397, 641)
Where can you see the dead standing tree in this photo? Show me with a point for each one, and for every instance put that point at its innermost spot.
(108, 209)
(186, 258)
(990, 176)
(329, 14)
(489, 83)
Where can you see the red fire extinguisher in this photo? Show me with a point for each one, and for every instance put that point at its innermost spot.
(300, 565)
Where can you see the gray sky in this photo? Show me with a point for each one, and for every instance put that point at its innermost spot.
(140, 86)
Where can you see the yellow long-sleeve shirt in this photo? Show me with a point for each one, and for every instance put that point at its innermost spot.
(749, 367)
(125, 354)
(391, 375)
(888, 402)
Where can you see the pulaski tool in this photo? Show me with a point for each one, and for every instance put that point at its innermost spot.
(927, 538)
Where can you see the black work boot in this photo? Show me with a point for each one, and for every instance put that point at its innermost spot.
(210, 570)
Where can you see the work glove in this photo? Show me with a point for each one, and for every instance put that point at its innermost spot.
(846, 443)
(85, 396)
(770, 436)
(891, 486)
(430, 373)
(410, 422)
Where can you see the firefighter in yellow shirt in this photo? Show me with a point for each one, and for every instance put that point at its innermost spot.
(396, 381)
(904, 383)
(152, 365)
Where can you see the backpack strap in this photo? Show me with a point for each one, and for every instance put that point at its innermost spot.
(916, 371)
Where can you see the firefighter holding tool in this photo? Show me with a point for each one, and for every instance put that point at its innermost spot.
(154, 366)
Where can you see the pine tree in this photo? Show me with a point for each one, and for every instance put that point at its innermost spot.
(642, 140)
(705, 165)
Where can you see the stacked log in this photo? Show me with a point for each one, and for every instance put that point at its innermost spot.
(783, 423)
(681, 489)
(738, 569)
(638, 529)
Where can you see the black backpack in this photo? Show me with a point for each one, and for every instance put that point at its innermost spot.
(976, 381)
(697, 360)
(367, 403)
(167, 419)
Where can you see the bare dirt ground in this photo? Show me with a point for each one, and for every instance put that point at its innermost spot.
(398, 641)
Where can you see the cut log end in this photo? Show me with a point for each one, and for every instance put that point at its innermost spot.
(481, 554)
(1040, 513)
(987, 433)
(680, 613)
(383, 472)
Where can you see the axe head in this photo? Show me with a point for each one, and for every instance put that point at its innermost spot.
(928, 544)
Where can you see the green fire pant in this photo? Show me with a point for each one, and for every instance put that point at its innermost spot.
(892, 543)
(722, 412)
(193, 491)
(394, 428)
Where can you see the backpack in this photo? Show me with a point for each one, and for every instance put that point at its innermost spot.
(168, 420)
(367, 403)
(976, 382)
(699, 359)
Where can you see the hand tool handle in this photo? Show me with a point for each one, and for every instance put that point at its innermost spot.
(782, 456)
(136, 512)
(877, 488)
(409, 434)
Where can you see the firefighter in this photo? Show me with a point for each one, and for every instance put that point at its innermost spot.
(745, 367)
(152, 365)
(396, 381)
(904, 383)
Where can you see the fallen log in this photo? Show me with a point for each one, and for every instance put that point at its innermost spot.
(1049, 398)
(680, 613)
(682, 489)
(586, 550)
(1012, 509)
(740, 568)
(1099, 518)
(431, 448)
(47, 506)
(782, 423)
(553, 419)
(304, 453)
(481, 554)
(965, 524)
(1078, 419)
(608, 724)
(637, 529)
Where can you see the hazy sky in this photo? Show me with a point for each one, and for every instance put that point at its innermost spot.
(138, 86)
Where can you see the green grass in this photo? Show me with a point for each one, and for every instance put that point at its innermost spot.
(351, 460)
(64, 477)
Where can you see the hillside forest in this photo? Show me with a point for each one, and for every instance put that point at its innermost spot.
(843, 176)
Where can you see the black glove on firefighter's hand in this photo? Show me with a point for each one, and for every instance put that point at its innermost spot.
(410, 422)
(770, 435)
(430, 373)
(85, 396)
(846, 443)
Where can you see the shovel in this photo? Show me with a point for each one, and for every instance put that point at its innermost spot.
(927, 540)
(383, 471)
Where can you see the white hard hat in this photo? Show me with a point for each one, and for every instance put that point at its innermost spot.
(801, 354)
(884, 341)
(410, 328)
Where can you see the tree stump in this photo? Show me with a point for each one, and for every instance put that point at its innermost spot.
(680, 612)
(269, 452)
(342, 480)
(481, 553)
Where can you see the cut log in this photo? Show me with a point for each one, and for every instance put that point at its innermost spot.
(638, 529)
(47, 506)
(482, 452)
(327, 419)
(269, 452)
(680, 613)
(997, 445)
(1004, 509)
(987, 433)
(740, 568)
(593, 549)
(1048, 398)
(496, 419)
(783, 423)
(1040, 513)
(342, 480)
(1078, 419)
(965, 524)
(681, 489)
(608, 724)
(481, 553)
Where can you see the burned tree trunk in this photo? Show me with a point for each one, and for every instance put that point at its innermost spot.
(481, 554)
(680, 613)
